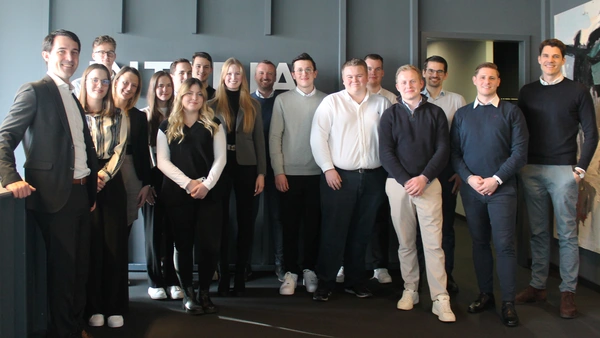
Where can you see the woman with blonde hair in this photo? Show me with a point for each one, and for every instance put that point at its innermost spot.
(191, 152)
(246, 166)
(107, 282)
(158, 231)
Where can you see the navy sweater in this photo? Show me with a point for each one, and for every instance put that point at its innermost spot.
(553, 115)
(488, 141)
(411, 145)
(266, 107)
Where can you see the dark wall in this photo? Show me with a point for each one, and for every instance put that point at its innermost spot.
(506, 57)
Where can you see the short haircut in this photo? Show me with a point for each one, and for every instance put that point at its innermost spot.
(374, 57)
(104, 39)
(355, 63)
(203, 55)
(436, 58)
(487, 65)
(174, 64)
(406, 68)
(49, 39)
(267, 62)
(554, 43)
(304, 57)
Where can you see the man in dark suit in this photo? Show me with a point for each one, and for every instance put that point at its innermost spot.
(60, 177)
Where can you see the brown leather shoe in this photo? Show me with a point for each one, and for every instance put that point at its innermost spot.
(568, 309)
(531, 295)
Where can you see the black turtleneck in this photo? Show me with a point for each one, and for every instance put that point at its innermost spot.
(233, 98)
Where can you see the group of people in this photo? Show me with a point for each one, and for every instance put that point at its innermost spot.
(335, 170)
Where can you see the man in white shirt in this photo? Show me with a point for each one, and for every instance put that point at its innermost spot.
(344, 142)
(181, 70)
(375, 68)
(104, 50)
(435, 72)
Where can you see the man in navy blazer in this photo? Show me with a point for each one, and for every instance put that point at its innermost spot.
(60, 177)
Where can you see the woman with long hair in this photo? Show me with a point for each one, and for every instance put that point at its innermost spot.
(191, 152)
(107, 281)
(158, 231)
(246, 166)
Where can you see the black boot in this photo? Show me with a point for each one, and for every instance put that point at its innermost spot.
(206, 303)
(224, 280)
(189, 302)
(239, 282)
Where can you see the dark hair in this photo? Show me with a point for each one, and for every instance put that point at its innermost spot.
(203, 55)
(174, 64)
(49, 39)
(304, 57)
(355, 62)
(487, 65)
(155, 115)
(374, 57)
(104, 39)
(436, 58)
(554, 43)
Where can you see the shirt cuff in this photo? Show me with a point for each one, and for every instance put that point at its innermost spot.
(497, 179)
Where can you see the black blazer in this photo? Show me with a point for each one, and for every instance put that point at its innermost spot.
(38, 117)
(139, 145)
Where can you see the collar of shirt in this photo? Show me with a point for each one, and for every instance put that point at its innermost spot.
(349, 98)
(494, 102)
(314, 91)
(412, 110)
(59, 82)
(558, 80)
(262, 97)
(426, 93)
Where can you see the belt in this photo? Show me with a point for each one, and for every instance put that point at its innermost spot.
(80, 181)
(231, 147)
(363, 170)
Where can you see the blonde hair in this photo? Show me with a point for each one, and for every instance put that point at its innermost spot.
(176, 120)
(108, 106)
(247, 103)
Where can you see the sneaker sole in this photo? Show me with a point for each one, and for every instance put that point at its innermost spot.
(358, 295)
(450, 320)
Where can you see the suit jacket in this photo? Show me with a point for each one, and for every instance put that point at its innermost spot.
(38, 117)
(249, 147)
(138, 124)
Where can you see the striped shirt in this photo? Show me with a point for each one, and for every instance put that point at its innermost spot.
(110, 139)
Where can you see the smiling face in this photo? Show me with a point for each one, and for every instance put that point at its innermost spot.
(375, 68)
(97, 83)
(164, 88)
(233, 78)
(434, 74)
(183, 71)
(105, 54)
(551, 62)
(127, 85)
(192, 100)
(355, 80)
(487, 81)
(304, 74)
(63, 58)
(409, 84)
(265, 77)
(201, 69)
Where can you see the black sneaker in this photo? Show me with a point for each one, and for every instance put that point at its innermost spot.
(359, 291)
(321, 295)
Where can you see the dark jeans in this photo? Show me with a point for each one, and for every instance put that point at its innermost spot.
(108, 292)
(347, 226)
(382, 234)
(493, 218)
(272, 206)
(197, 222)
(301, 203)
(66, 234)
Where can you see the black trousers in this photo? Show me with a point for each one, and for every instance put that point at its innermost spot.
(493, 218)
(242, 179)
(108, 293)
(301, 203)
(197, 221)
(383, 233)
(66, 234)
(347, 225)
(159, 238)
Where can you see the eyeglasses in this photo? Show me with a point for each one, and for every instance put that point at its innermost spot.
(104, 82)
(111, 54)
(306, 70)
(433, 71)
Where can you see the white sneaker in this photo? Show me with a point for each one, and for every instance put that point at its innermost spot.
(441, 308)
(409, 298)
(115, 321)
(340, 276)
(157, 293)
(96, 320)
(310, 280)
(289, 284)
(175, 292)
(382, 275)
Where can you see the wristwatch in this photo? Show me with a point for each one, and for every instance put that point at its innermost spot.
(581, 174)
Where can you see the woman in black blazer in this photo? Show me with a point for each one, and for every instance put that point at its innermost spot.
(246, 166)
